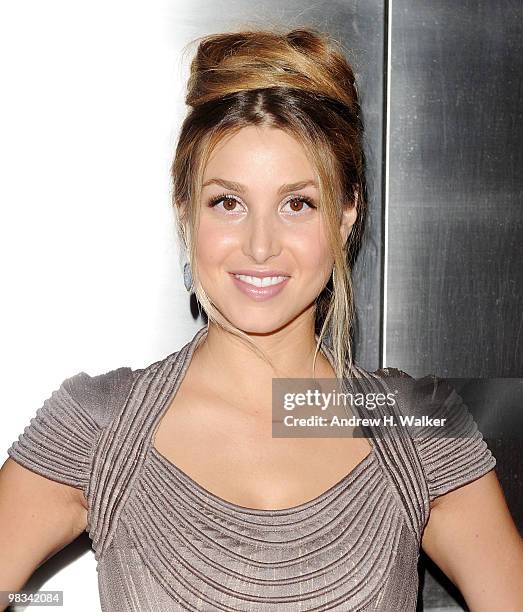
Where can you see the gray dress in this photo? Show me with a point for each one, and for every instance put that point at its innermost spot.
(164, 543)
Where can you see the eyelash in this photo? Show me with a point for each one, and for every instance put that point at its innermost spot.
(217, 199)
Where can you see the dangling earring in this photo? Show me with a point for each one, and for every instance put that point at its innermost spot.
(187, 276)
(333, 274)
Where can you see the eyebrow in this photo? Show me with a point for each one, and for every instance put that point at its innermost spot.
(286, 188)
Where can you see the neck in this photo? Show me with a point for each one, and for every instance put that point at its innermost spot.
(225, 357)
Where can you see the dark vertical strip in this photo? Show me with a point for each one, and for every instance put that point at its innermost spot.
(382, 335)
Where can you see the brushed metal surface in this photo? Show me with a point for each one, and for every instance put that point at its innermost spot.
(454, 304)
(453, 296)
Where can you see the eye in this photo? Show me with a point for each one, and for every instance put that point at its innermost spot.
(230, 202)
(297, 204)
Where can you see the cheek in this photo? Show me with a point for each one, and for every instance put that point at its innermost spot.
(214, 242)
(311, 249)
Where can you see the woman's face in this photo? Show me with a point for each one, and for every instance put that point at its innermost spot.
(261, 251)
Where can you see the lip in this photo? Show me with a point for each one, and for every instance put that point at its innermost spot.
(259, 294)
(259, 273)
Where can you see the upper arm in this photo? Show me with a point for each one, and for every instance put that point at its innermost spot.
(44, 481)
(38, 517)
(469, 533)
(472, 537)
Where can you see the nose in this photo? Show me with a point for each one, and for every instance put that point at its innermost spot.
(262, 239)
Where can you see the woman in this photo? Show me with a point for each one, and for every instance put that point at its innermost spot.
(190, 501)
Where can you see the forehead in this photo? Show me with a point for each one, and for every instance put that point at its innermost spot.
(259, 153)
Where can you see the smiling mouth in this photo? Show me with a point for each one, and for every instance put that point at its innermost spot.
(256, 281)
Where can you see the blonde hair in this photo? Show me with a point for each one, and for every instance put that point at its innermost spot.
(298, 81)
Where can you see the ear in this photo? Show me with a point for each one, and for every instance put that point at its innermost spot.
(349, 216)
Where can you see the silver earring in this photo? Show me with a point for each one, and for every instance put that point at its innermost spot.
(187, 276)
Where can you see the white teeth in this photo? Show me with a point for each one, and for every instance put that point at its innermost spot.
(261, 282)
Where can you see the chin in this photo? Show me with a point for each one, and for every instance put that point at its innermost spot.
(258, 323)
(263, 317)
(252, 320)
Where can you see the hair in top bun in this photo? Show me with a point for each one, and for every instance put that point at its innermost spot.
(302, 59)
(298, 81)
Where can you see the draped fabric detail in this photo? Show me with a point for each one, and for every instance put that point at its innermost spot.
(452, 455)
(60, 439)
(123, 445)
(460, 454)
(398, 458)
(332, 553)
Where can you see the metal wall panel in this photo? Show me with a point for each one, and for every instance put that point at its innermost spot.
(453, 295)
(455, 213)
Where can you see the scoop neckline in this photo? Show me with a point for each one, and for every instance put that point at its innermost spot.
(189, 480)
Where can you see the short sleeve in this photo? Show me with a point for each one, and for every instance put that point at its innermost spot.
(60, 439)
(454, 454)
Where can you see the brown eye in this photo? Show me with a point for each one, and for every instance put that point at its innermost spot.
(230, 203)
(297, 205)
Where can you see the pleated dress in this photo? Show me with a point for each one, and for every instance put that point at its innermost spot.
(163, 543)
